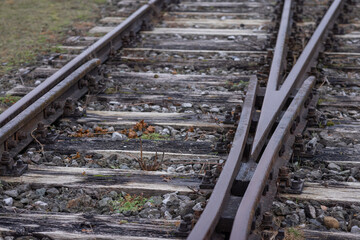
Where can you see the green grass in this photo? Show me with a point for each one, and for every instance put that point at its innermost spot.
(29, 28)
(128, 203)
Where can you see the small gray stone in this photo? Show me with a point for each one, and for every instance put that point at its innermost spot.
(156, 107)
(148, 204)
(316, 174)
(351, 179)
(180, 168)
(280, 209)
(338, 215)
(53, 192)
(57, 159)
(24, 200)
(118, 136)
(41, 205)
(302, 216)
(333, 166)
(186, 207)
(167, 215)
(292, 220)
(124, 167)
(135, 109)
(74, 163)
(150, 213)
(104, 202)
(114, 103)
(40, 192)
(23, 188)
(354, 171)
(355, 229)
(205, 106)
(36, 158)
(310, 211)
(165, 131)
(37, 82)
(171, 170)
(197, 166)
(8, 201)
(291, 204)
(215, 110)
(231, 38)
(12, 193)
(188, 167)
(113, 194)
(186, 105)
(345, 173)
(170, 199)
(198, 207)
(315, 222)
(111, 129)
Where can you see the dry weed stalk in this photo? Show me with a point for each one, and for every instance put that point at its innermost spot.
(144, 163)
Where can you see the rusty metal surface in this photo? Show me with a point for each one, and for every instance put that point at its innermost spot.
(245, 214)
(101, 49)
(275, 97)
(39, 105)
(22, 130)
(205, 227)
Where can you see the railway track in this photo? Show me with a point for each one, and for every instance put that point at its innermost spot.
(180, 121)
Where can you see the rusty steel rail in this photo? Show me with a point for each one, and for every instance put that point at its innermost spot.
(101, 49)
(211, 215)
(48, 101)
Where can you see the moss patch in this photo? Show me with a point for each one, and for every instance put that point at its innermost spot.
(128, 203)
(32, 27)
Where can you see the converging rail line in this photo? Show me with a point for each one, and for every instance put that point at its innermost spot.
(181, 122)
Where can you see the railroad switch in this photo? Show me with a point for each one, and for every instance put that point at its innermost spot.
(8, 168)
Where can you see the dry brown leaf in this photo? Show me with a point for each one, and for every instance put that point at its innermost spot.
(132, 134)
(191, 129)
(151, 129)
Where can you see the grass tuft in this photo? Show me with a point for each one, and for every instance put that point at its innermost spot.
(8, 100)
